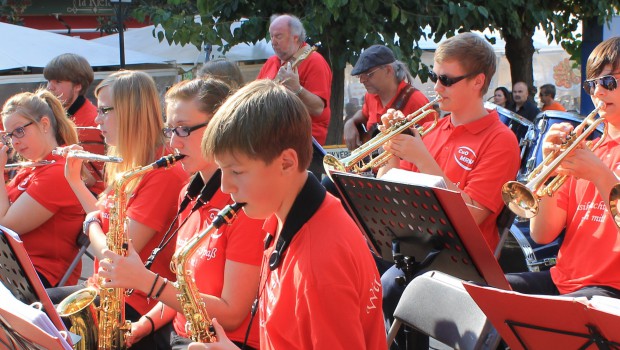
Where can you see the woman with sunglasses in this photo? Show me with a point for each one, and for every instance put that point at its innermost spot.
(130, 119)
(38, 203)
(470, 148)
(227, 269)
(589, 257)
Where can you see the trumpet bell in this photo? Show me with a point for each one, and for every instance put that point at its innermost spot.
(520, 199)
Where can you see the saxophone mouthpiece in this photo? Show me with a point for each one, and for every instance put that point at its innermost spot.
(167, 161)
(236, 207)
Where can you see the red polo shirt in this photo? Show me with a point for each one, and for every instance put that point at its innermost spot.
(316, 77)
(479, 157)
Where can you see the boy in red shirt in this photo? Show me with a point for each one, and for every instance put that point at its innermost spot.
(589, 257)
(319, 287)
(470, 148)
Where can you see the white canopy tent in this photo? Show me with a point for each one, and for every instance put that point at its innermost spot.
(145, 40)
(24, 47)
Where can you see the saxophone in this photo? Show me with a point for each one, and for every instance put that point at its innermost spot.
(198, 326)
(109, 318)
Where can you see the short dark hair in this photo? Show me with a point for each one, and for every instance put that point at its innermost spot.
(70, 67)
(548, 89)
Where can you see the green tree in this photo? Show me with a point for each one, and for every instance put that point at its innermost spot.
(345, 27)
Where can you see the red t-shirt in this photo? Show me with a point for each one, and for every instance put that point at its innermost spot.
(326, 293)
(91, 140)
(154, 204)
(240, 242)
(52, 245)
(479, 157)
(373, 108)
(555, 106)
(590, 252)
(316, 77)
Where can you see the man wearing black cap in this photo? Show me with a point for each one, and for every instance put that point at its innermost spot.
(388, 85)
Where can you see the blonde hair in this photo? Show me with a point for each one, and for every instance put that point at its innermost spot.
(139, 121)
(473, 53)
(42, 103)
(260, 120)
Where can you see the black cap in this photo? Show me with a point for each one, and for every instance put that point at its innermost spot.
(374, 56)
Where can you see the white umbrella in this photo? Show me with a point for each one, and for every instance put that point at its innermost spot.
(23, 47)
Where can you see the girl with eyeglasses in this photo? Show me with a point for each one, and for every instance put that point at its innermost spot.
(130, 119)
(38, 203)
(227, 267)
(589, 256)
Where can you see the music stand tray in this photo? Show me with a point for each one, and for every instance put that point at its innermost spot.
(422, 220)
(533, 322)
(19, 276)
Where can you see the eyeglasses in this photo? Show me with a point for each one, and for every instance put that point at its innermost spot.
(444, 80)
(369, 74)
(19, 132)
(609, 82)
(182, 131)
(103, 111)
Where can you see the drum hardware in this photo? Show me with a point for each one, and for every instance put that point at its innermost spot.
(523, 199)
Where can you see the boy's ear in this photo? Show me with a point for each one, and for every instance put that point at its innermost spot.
(289, 160)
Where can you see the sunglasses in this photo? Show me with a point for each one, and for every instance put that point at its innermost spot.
(182, 131)
(444, 80)
(609, 82)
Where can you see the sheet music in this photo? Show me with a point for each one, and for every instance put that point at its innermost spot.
(414, 178)
(29, 313)
(10, 232)
(606, 304)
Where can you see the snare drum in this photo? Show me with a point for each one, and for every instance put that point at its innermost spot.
(543, 122)
(524, 130)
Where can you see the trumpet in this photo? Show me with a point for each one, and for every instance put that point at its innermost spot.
(19, 165)
(614, 196)
(523, 199)
(355, 162)
(93, 157)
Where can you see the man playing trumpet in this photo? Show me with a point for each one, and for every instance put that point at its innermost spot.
(470, 148)
(588, 259)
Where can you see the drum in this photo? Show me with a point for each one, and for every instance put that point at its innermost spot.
(537, 257)
(543, 123)
(524, 130)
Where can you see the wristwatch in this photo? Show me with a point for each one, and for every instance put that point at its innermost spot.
(87, 223)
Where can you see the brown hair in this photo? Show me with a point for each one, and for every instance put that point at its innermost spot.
(70, 67)
(604, 54)
(209, 93)
(224, 70)
(260, 121)
(472, 52)
(34, 106)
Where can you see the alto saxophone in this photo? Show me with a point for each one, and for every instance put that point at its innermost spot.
(198, 326)
(112, 328)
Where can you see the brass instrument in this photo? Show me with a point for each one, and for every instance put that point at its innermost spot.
(355, 162)
(614, 196)
(80, 309)
(198, 324)
(523, 199)
(112, 328)
(304, 53)
(93, 157)
(19, 165)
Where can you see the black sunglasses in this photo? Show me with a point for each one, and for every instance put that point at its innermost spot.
(182, 131)
(609, 82)
(444, 80)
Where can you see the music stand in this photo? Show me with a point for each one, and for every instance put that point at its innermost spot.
(19, 276)
(426, 222)
(533, 322)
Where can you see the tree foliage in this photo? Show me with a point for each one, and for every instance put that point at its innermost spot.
(345, 27)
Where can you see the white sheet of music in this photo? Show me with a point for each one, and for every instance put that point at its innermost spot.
(607, 304)
(414, 178)
(29, 313)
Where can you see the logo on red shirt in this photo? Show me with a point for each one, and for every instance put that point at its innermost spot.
(465, 157)
(24, 184)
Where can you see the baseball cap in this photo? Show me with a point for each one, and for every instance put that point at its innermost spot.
(376, 55)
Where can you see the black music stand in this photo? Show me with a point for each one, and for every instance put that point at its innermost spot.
(430, 225)
(19, 276)
(534, 322)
